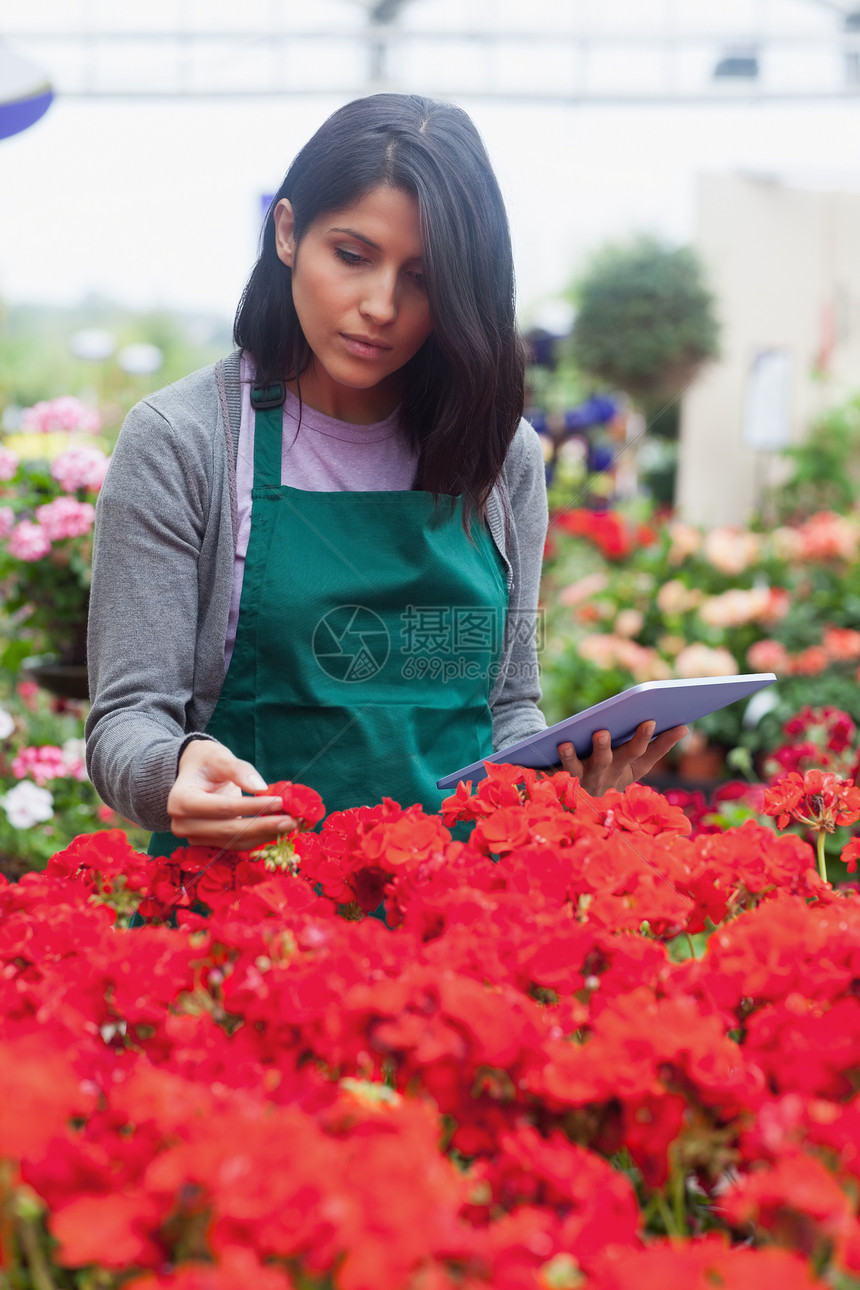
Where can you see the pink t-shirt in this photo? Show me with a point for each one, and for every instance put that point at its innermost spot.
(325, 456)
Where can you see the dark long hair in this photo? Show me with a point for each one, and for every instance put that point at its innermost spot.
(463, 390)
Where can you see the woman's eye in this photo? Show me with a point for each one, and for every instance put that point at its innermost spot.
(419, 279)
(347, 256)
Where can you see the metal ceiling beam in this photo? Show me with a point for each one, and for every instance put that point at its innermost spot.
(592, 38)
(259, 63)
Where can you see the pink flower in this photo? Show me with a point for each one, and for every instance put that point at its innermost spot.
(65, 413)
(28, 541)
(27, 692)
(768, 656)
(827, 536)
(48, 762)
(7, 521)
(65, 517)
(82, 467)
(591, 585)
(8, 462)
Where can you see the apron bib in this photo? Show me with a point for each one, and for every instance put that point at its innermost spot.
(368, 640)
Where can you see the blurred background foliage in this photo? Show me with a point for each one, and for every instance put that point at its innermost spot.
(645, 320)
(37, 359)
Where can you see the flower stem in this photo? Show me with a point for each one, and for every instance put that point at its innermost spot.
(822, 863)
(679, 1196)
(36, 1262)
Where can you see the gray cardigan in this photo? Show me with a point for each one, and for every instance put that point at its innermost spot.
(162, 576)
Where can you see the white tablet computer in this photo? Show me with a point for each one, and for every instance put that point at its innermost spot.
(669, 703)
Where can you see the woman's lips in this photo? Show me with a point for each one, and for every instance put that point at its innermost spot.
(365, 346)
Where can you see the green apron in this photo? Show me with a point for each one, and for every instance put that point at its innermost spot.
(367, 644)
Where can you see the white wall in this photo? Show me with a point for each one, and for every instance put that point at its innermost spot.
(784, 264)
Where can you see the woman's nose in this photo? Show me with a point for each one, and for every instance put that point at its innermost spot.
(380, 299)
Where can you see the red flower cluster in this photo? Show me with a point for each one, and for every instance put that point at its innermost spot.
(615, 536)
(706, 814)
(818, 739)
(819, 799)
(595, 1051)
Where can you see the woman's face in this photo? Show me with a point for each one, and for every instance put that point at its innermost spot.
(358, 289)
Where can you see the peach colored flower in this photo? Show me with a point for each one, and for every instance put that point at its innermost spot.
(786, 543)
(607, 650)
(591, 585)
(735, 607)
(685, 540)
(629, 622)
(599, 648)
(732, 550)
(671, 644)
(675, 597)
(702, 660)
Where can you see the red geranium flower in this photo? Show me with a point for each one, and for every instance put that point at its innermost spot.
(302, 803)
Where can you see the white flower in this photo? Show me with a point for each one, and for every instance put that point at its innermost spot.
(7, 724)
(73, 749)
(73, 757)
(26, 804)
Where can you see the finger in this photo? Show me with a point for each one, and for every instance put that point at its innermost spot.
(569, 760)
(626, 754)
(658, 748)
(248, 777)
(593, 770)
(192, 804)
(602, 753)
(237, 835)
(212, 763)
(636, 746)
(600, 770)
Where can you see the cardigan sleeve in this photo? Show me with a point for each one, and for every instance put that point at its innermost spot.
(514, 701)
(151, 523)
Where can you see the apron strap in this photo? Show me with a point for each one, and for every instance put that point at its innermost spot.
(268, 433)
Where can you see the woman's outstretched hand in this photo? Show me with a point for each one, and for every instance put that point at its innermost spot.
(609, 767)
(206, 805)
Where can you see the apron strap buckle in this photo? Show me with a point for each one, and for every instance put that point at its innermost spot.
(268, 396)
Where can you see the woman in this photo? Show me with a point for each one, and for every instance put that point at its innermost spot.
(347, 514)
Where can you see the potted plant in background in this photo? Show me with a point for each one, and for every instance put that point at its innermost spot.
(50, 475)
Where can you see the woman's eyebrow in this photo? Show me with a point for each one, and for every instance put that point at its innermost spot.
(350, 232)
(359, 237)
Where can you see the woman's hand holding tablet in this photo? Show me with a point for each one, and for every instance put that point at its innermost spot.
(616, 767)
